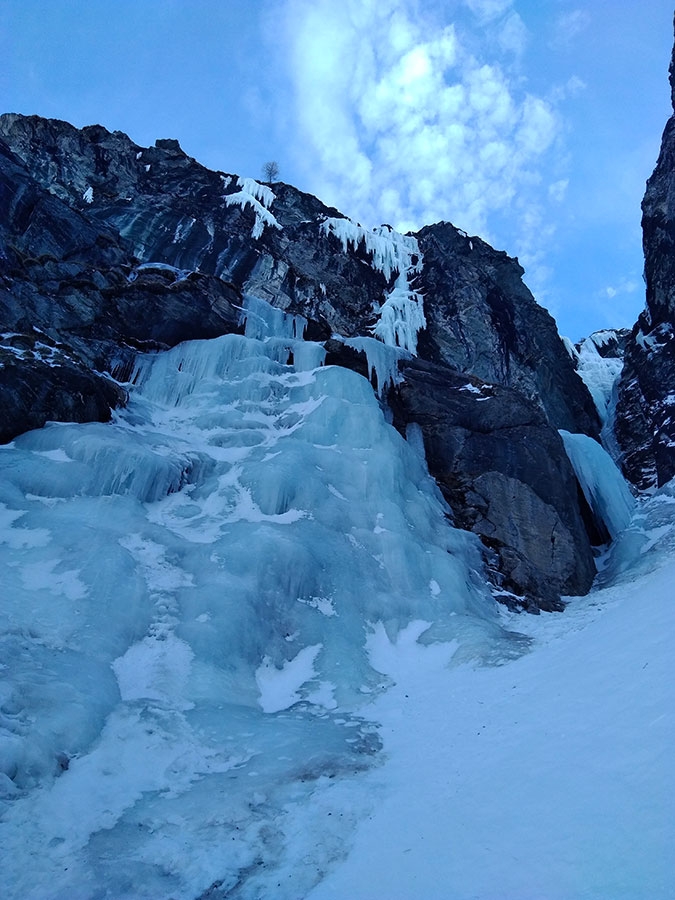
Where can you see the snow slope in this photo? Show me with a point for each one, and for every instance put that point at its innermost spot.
(548, 778)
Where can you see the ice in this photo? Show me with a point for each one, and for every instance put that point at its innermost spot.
(188, 593)
(382, 359)
(401, 316)
(599, 374)
(571, 349)
(260, 198)
(264, 321)
(180, 274)
(390, 251)
(602, 483)
(260, 191)
(647, 543)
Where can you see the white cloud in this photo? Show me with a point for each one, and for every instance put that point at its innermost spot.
(402, 119)
(513, 35)
(570, 89)
(487, 10)
(558, 190)
(625, 285)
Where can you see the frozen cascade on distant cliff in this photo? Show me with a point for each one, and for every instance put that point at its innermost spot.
(188, 593)
(604, 486)
(401, 316)
(259, 197)
(598, 373)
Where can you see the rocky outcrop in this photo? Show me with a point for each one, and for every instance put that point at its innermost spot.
(483, 320)
(109, 248)
(41, 381)
(75, 303)
(645, 422)
(505, 475)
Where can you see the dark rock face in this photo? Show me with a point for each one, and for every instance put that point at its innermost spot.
(505, 475)
(40, 382)
(107, 248)
(483, 320)
(645, 426)
(74, 287)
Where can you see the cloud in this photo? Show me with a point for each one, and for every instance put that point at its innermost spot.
(625, 285)
(558, 189)
(513, 35)
(568, 26)
(402, 118)
(570, 89)
(487, 10)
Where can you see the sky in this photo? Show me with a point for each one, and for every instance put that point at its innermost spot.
(532, 123)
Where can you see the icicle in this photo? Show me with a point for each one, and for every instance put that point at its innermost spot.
(401, 316)
(263, 320)
(260, 198)
(383, 359)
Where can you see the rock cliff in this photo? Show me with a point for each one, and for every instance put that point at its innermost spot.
(108, 248)
(645, 422)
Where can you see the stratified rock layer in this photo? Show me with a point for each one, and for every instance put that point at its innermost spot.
(108, 248)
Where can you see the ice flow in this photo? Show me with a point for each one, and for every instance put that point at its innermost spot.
(188, 593)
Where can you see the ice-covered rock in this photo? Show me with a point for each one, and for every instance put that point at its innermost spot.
(168, 250)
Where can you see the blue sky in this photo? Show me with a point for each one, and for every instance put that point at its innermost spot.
(533, 124)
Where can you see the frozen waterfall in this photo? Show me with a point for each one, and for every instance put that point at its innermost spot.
(188, 596)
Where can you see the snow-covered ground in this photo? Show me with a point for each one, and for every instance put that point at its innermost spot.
(548, 778)
(244, 655)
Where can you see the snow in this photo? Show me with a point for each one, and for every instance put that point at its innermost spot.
(602, 483)
(549, 777)
(279, 687)
(88, 195)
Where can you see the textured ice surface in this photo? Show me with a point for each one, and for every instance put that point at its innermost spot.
(604, 487)
(648, 540)
(401, 316)
(187, 596)
(383, 359)
(390, 251)
(599, 374)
